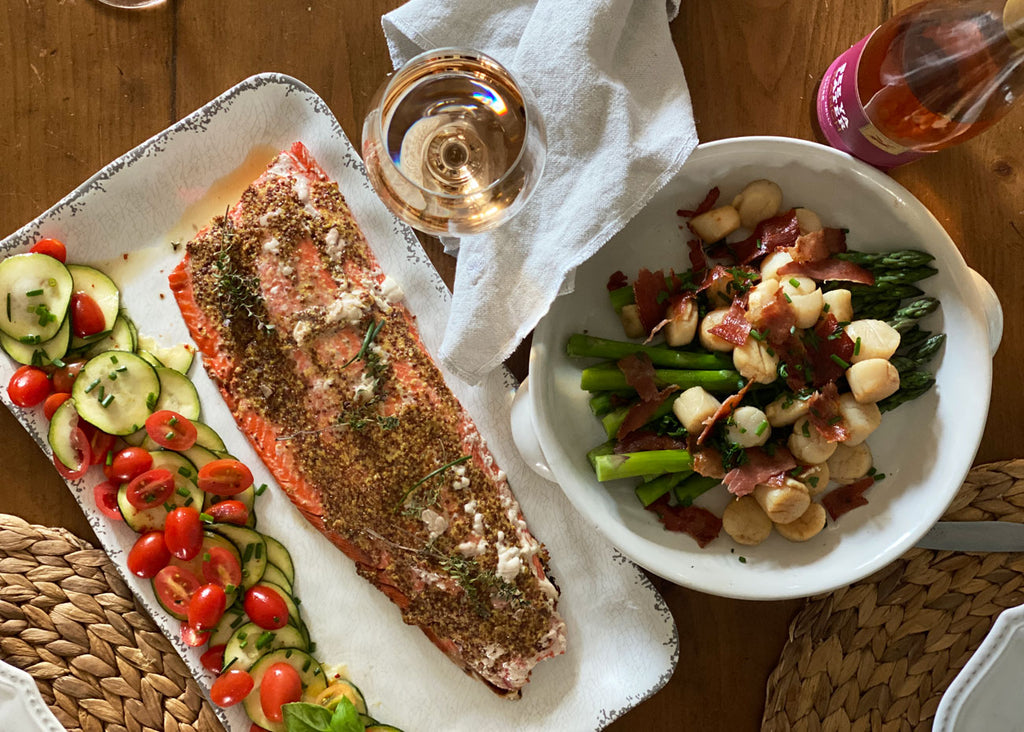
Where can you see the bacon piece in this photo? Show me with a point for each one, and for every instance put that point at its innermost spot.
(818, 245)
(824, 413)
(777, 232)
(827, 270)
(706, 205)
(734, 327)
(831, 348)
(847, 497)
(713, 275)
(698, 260)
(760, 467)
(777, 318)
(641, 440)
(639, 373)
(617, 280)
(695, 521)
(723, 411)
(647, 290)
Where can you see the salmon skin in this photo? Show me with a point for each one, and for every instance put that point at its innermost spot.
(322, 366)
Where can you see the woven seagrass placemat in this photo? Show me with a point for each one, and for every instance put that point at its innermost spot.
(70, 621)
(877, 656)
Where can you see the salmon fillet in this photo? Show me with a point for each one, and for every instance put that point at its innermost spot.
(323, 368)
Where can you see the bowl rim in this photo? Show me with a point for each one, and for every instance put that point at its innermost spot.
(629, 542)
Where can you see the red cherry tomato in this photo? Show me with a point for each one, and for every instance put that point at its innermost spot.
(28, 386)
(149, 555)
(183, 532)
(105, 495)
(86, 316)
(150, 488)
(256, 728)
(280, 685)
(229, 512)
(221, 567)
(206, 607)
(213, 659)
(64, 377)
(128, 464)
(101, 444)
(170, 430)
(231, 687)
(174, 586)
(80, 444)
(51, 248)
(194, 638)
(224, 477)
(266, 607)
(52, 402)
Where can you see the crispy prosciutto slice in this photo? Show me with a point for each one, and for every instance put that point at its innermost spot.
(730, 403)
(734, 327)
(639, 373)
(777, 318)
(648, 292)
(641, 440)
(827, 270)
(706, 205)
(778, 232)
(823, 413)
(760, 467)
(695, 521)
(845, 498)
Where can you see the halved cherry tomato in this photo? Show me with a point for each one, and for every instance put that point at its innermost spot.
(52, 402)
(174, 586)
(256, 728)
(105, 495)
(213, 659)
(206, 607)
(80, 444)
(128, 464)
(150, 488)
(194, 637)
(280, 685)
(149, 555)
(183, 532)
(229, 512)
(101, 444)
(224, 477)
(52, 248)
(64, 377)
(86, 316)
(28, 386)
(265, 607)
(171, 430)
(231, 687)
(221, 567)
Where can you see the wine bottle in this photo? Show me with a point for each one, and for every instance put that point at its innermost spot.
(934, 75)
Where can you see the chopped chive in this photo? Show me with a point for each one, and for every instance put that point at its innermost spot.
(794, 282)
(288, 653)
(189, 501)
(8, 307)
(122, 367)
(788, 298)
(185, 473)
(264, 640)
(243, 644)
(259, 551)
(172, 421)
(113, 358)
(856, 347)
(92, 385)
(151, 401)
(206, 556)
(168, 506)
(825, 308)
(839, 361)
(761, 428)
(110, 458)
(37, 357)
(168, 435)
(879, 476)
(247, 554)
(241, 618)
(259, 490)
(305, 666)
(756, 334)
(112, 376)
(743, 560)
(33, 293)
(312, 649)
(58, 363)
(813, 481)
(206, 518)
(103, 393)
(806, 429)
(835, 420)
(229, 588)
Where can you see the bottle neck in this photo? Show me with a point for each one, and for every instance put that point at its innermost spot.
(1013, 22)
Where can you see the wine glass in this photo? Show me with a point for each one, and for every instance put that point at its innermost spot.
(453, 144)
(132, 4)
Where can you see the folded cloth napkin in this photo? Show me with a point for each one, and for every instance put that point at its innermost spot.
(614, 100)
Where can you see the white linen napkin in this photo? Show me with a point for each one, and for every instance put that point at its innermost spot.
(614, 100)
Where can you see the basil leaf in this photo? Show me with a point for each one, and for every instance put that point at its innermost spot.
(305, 717)
(346, 718)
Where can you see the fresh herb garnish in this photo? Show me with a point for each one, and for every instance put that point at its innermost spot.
(240, 290)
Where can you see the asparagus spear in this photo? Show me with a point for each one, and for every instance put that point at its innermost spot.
(613, 419)
(912, 385)
(605, 448)
(695, 485)
(648, 462)
(608, 377)
(604, 401)
(585, 346)
(899, 259)
(924, 351)
(650, 491)
(906, 316)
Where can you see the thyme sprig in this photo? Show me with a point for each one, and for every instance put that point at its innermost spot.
(428, 476)
(240, 290)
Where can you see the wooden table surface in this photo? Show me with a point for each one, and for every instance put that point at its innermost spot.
(83, 83)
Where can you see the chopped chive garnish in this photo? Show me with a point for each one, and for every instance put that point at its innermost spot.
(183, 492)
(241, 618)
(312, 649)
(206, 556)
(247, 554)
(185, 473)
(168, 506)
(761, 428)
(839, 361)
(113, 358)
(835, 420)
(305, 666)
(788, 298)
(168, 435)
(806, 429)
(288, 653)
(259, 490)
(151, 401)
(112, 376)
(229, 588)
(33, 293)
(103, 393)
(206, 518)
(756, 334)
(856, 347)
(264, 639)
(743, 560)
(813, 481)
(110, 458)
(825, 308)
(794, 282)
(58, 363)
(122, 367)
(879, 476)
(8, 307)
(189, 501)
(243, 644)
(172, 421)
(259, 551)
(92, 385)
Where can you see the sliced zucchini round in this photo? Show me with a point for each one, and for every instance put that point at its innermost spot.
(41, 354)
(251, 641)
(178, 357)
(177, 393)
(273, 574)
(234, 618)
(62, 424)
(247, 497)
(100, 288)
(207, 437)
(149, 358)
(120, 338)
(35, 291)
(186, 493)
(116, 391)
(279, 557)
(252, 548)
(339, 689)
(310, 673)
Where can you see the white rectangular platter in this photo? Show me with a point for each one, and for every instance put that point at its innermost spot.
(623, 645)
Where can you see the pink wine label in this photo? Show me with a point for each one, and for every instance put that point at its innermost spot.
(843, 120)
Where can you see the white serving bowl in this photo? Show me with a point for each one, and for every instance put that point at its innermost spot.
(924, 448)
